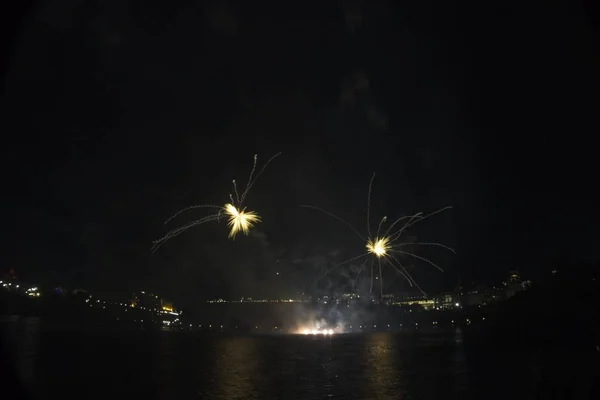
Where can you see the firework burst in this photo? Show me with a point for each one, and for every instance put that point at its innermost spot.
(239, 220)
(383, 248)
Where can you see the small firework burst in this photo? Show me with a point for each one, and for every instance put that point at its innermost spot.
(239, 220)
(384, 247)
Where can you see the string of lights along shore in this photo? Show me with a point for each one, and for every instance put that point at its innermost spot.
(386, 247)
(239, 219)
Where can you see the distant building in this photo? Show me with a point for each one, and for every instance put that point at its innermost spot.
(409, 301)
(513, 284)
(446, 300)
(154, 303)
(427, 304)
(167, 306)
(146, 300)
(479, 295)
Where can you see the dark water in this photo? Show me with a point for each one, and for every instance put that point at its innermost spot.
(166, 365)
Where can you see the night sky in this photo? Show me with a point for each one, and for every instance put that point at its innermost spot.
(118, 113)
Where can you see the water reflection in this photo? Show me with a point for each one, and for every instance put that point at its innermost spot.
(383, 367)
(23, 337)
(162, 368)
(178, 366)
(330, 370)
(459, 365)
(309, 367)
(237, 369)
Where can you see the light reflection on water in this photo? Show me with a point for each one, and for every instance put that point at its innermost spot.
(384, 367)
(165, 365)
(237, 357)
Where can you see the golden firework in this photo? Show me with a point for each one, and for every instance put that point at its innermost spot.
(379, 246)
(240, 220)
(387, 245)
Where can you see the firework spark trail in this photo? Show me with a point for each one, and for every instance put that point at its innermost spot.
(190, 208)
(250, 177)
(404, 271)
(422, 218)
(371, 269)
(188, 225)
(240, 220)
(417, 217)
(380, 277)
(369, 206)
(411, 222)
(258, 176)
(338, 265)
(177, 231)
(336, 217)
(406, 275)
(379, 227)
(344, 262)
(371, 288)
(382, 247)
(424, 244)
(401, 219)
(237, 195)
(358, 273)
(409, 280)
(419, 258)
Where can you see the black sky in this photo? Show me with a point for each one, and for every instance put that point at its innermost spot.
(118, 113)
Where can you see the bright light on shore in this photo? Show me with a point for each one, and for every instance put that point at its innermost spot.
(317, 331)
